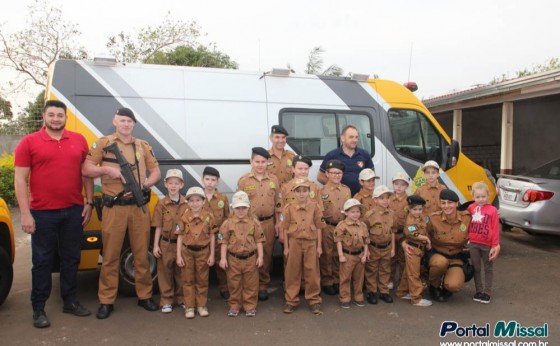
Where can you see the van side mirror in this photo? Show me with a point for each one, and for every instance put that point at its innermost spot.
(452, 154)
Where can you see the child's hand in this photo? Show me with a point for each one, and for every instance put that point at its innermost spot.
(180, 262)
(406, 249)
(223, 264)
(286, 251)
(210, 261)
(156, 251)
(494, 252)
(342, 259)
(277, 230)
(364, 258)
(281, 236)
(260, 262)
(319, 251)
(392, 252)
(428, 244)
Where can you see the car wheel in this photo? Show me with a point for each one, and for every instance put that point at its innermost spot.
(127, 285)
(6, 275)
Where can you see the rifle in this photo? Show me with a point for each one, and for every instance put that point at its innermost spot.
(130, 185)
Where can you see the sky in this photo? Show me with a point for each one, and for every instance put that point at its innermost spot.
(441, 45)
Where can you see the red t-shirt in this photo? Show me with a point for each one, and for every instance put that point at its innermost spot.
(484, 228)
(55, 179)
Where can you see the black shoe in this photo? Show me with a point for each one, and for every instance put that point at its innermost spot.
(446, 294)
(386, 298)
(263, 295)
(76, 309)
(148, 304)
(104, 311)
(371, 298)
(224, 295)
(329, 290)
(40, 319)
(336, 288)
(436, 294)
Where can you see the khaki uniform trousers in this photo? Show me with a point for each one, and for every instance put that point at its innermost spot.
(398, 261)
(329, 259)
(268, 248)
(243, 282)
(378, 269)
(410, 278)
(116, 221)
(351, 270)
(220, 273)
(169, 275)
(448, 270)
(195, 277)
(302, 260)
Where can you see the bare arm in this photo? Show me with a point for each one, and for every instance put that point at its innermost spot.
(92, 170)
(21, 189)
(153, 178)
(322, 177)
(88, 208)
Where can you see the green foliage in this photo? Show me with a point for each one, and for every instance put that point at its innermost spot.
(29, 120)
(5, 109)
(549, 65)
(315, 64)
(189, 56)
(7, 179)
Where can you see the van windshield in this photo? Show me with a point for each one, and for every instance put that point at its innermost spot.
(414, 136)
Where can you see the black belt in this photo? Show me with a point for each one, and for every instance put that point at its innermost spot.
(110, 201)
(331, 223)
(173, 241)
(196, 248)
(416, 245)
(380, 246)
(242, 257)
(353, 253)
(264, 218)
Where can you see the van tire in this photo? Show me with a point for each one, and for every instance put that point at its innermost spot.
(127, 285)
(6, 275)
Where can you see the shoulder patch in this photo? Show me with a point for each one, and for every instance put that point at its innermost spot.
(312, 194)
(220, 204)
(220, 236)
(272, 185)
(411, 228)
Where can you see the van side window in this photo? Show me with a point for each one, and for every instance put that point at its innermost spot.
(315, 133)
(414, 136)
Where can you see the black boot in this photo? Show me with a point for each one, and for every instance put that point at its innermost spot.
(371, 297)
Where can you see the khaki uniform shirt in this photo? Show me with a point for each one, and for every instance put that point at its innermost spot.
(415, 226)
(241, 235)
(197, 230)
(381, 225)
(281, 167)
(143, 157)
(353, 235)
(399, 206)
(333, 197)
(431, 195)
(219, 206)
(449, 236)
(303, 221)
(264, 194)
(288, 196)
(167, 215)
(366, 198)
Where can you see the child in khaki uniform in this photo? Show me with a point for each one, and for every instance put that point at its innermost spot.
(197, 253)
(430, 190)
(365, 195)
(398, 204)
(302, 224)
(218, 204)
(333, 194)
(380, 221)
(417, 240)
(351, 238)
(240, 238)
(166, 219)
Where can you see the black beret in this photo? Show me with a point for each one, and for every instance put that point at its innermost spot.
(279, 129)
(211, 171)
(448, 195)
(335, 164)
(415, 200)
(126, 112)
(261, 152)
(299, 158)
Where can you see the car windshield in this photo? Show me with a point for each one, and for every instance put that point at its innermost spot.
(549, 171)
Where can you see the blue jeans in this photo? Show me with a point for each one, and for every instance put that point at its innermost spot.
(61, 231)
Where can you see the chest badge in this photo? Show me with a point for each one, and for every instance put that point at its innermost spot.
(220, 204)
(463, 227)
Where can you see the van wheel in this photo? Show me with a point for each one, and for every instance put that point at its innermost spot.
(127, 285)
(6, 275)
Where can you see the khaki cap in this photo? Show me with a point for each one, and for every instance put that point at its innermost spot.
(352, 202)
(174, 173)
(240, 199)
(195, 191)
(430, 163)
(401, 176)
(301, 182)
(380, 190)
(367, 174)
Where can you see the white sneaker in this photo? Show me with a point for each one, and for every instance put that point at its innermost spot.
(189, 313)
(167, 308)
(423, 302)
(407, 296)
(203, 311)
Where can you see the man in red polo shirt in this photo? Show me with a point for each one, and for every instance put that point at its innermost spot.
(48, 165)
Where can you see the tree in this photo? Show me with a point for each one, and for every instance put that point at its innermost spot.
(315, 64)
(189, 56)
(141, 47)
(550, 64)
(5, 109)
(29, 120)
(46, 38)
